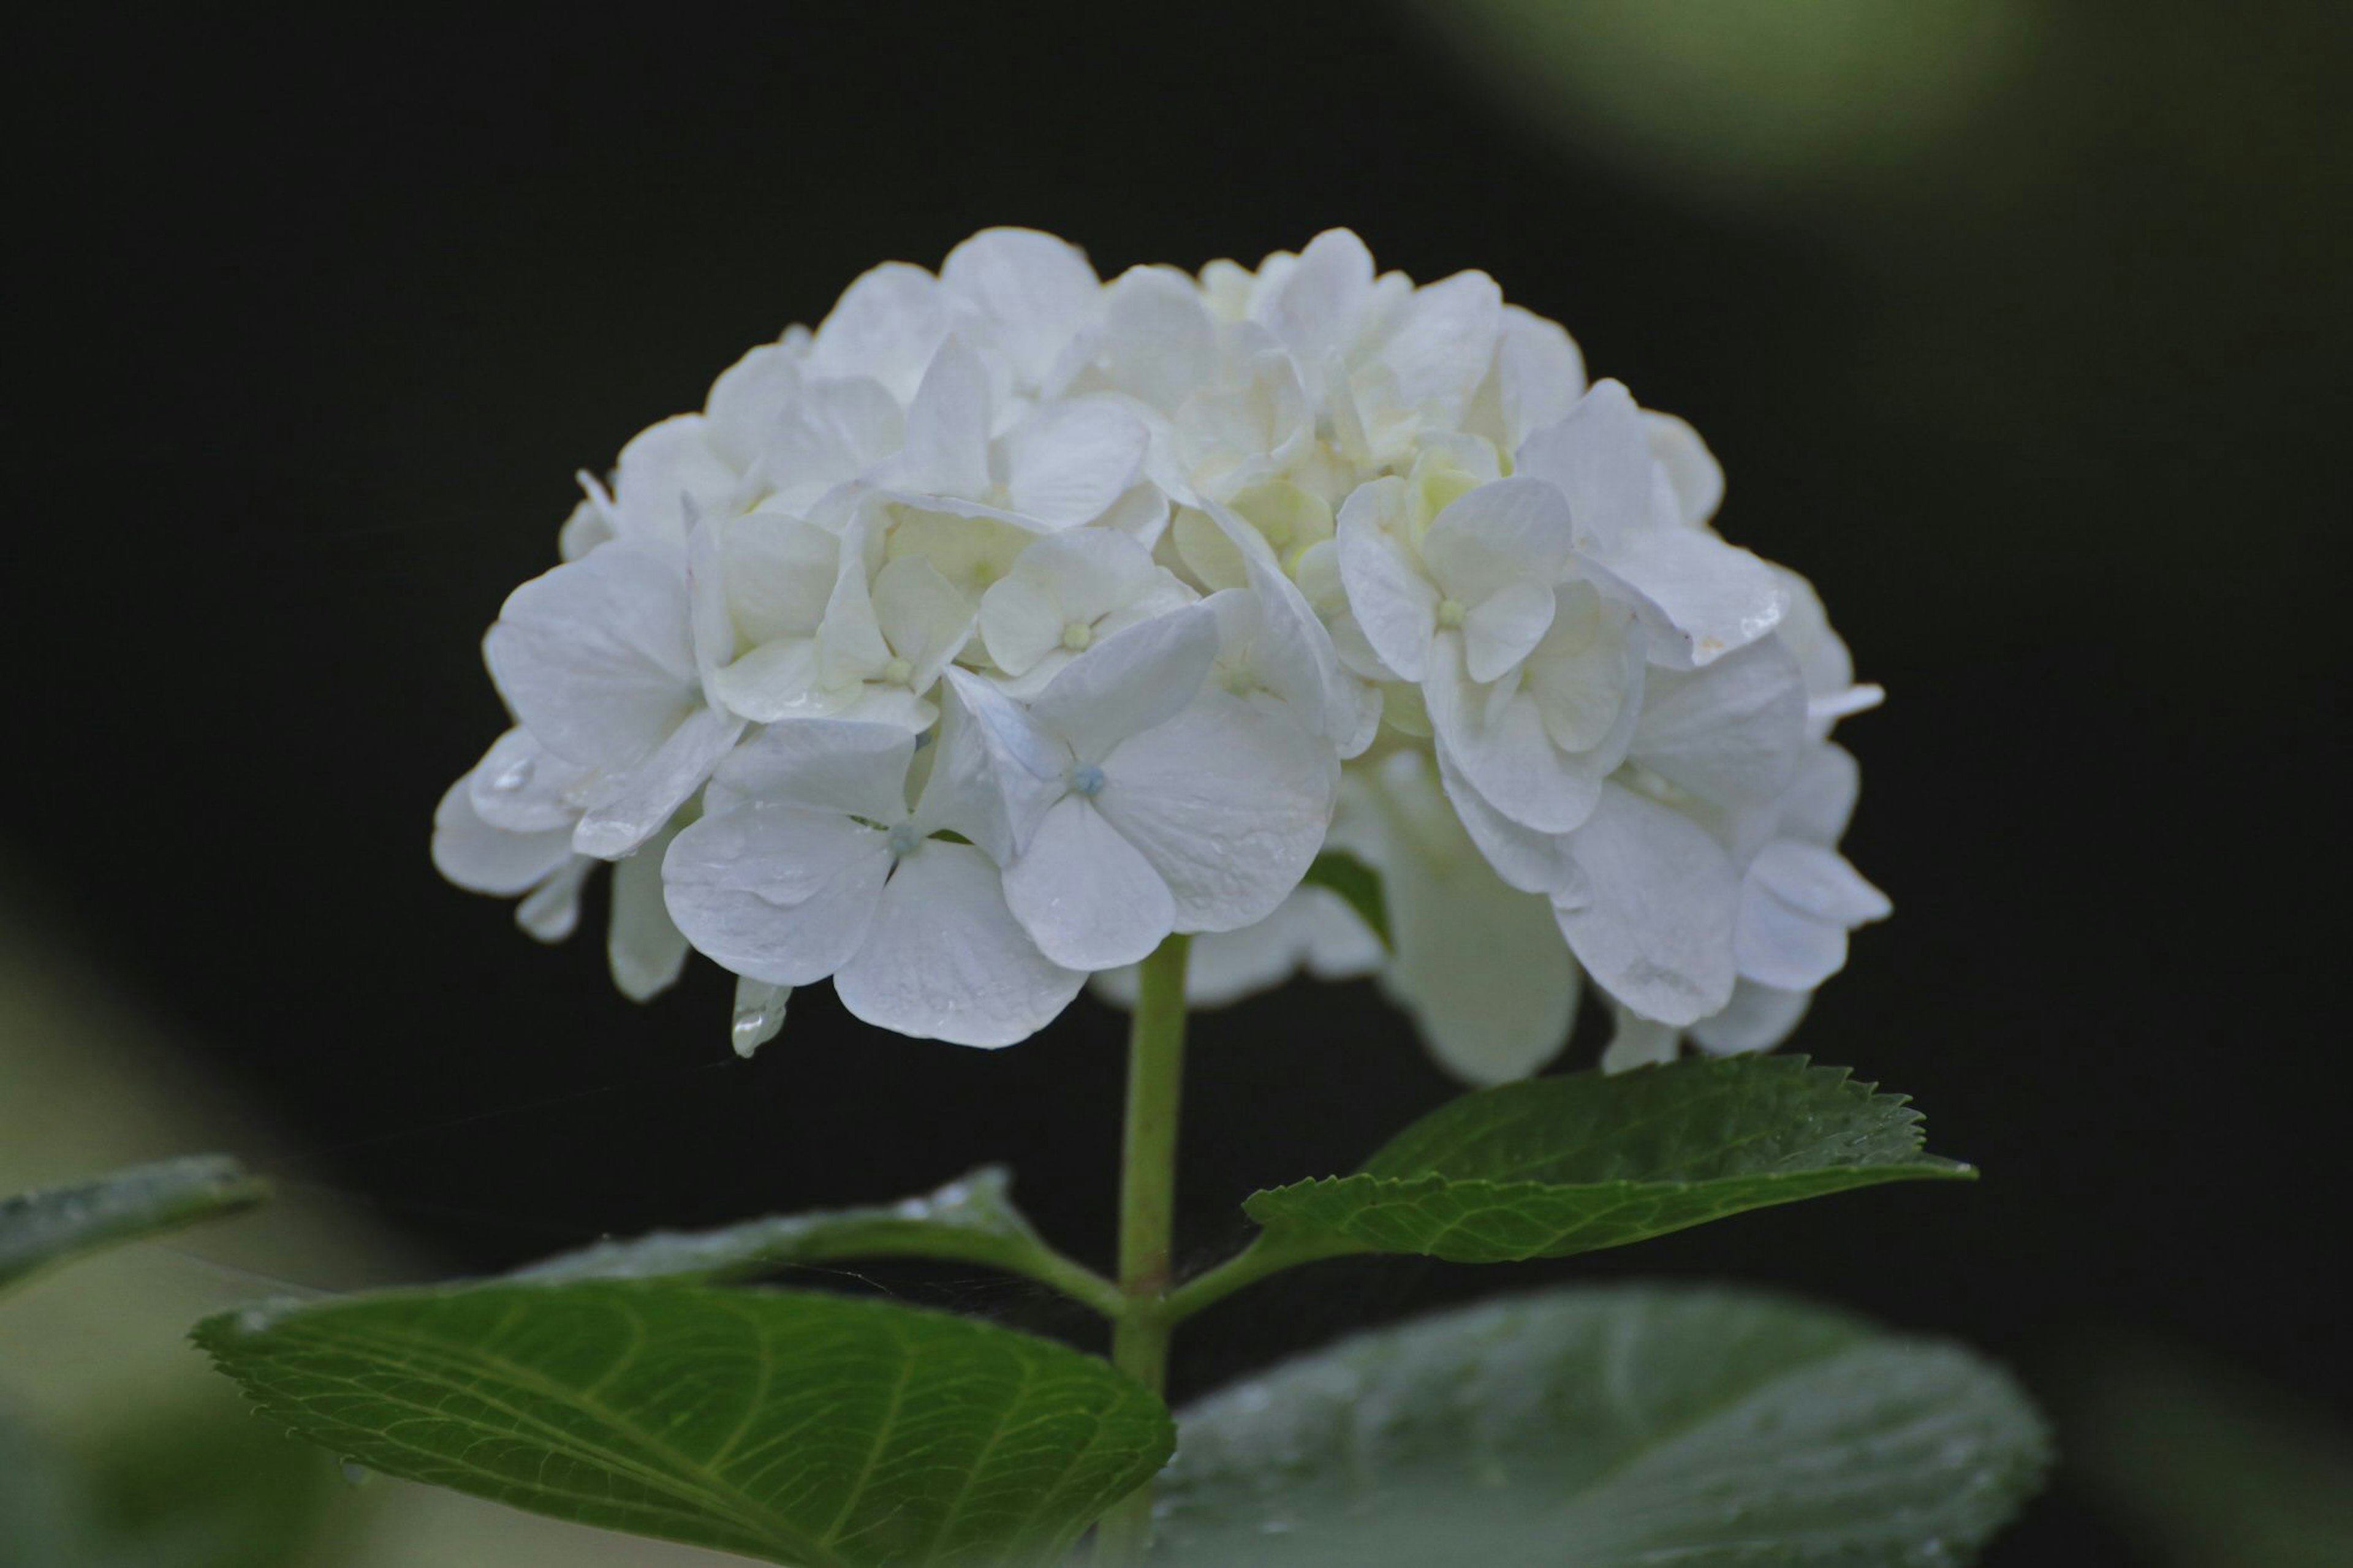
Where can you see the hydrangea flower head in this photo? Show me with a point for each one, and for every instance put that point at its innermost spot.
(968, 645)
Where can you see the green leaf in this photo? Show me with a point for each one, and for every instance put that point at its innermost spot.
(969, 1220)
(1356, 882)
(40, 1228)
(795, 1428)
(1555, 1166)
(44, 1499)
(1626, 1425)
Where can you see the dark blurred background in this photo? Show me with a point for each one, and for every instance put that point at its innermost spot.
(2018, 324)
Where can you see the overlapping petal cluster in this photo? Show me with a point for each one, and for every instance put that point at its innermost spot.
(970, 645)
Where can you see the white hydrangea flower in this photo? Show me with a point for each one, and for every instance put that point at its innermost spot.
(1011, 619)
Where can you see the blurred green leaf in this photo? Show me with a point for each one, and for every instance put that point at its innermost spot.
(971, 1220)
(2212, 1468)
(794, 1427)
(185, 1489)
(1606, 1428)
(44, 1502)
(1355, 882)
(45, 1226)
(1555, 1166)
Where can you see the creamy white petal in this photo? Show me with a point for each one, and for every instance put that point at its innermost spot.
(1160, 339)
(923, 619)
(1502, 748)
(1439, 346)
(1316, 309)
(887, 325)
(667, 474)
(1034, 292)
(1512, 531)
(1393, 601)
(1067, 464)
(643, 946)
(1527, 861)
(1504, 627)
(947, 428)
(749, 403)
(550, 912)
(1085, 895)
(774, 681)
(1654, 917)
(1129, 682)
(1228, 801)
(597, 657)
(836, 430)
(945, 959)
(1600, 456)
(625, 808)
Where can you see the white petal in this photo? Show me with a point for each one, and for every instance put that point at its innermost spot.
(1512, 531)
(777, 573)
(1021, 617)
(1161, 342)
(1730, 734)
(1539, 375)
(1481, 966)
(1600, 459)
(1505, 628)
(923, 619)
(1776, 944)
(486, 859)
(1502, 748)
(520, 786)
(1065, 465)
(1084, 894)
(1588, 675)
(1129, 682)
(595, 657)
(643, 946)
(1692, 470)
(1821, 798)
(774, 893)
(945, 959)
(665, 473)
(1757, 1018)
(996, 771)
(1638, 1042)
(1034, 291)
(774, 681)
(1316, 309)
(1443, 339)
(1228, 801)
(835, 431)
(820, 765)
(1654, 926)
(1393, 601)
(887, 325)
(626, 808)
(749, 402)
(1527, 861)
(1819, 882)
(1701, 598)
(550, 911)
(947, 428)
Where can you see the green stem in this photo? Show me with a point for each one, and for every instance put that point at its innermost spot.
(1147, 1207)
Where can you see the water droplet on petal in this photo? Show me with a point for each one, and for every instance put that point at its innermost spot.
(514, 776)
(759, 1015)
